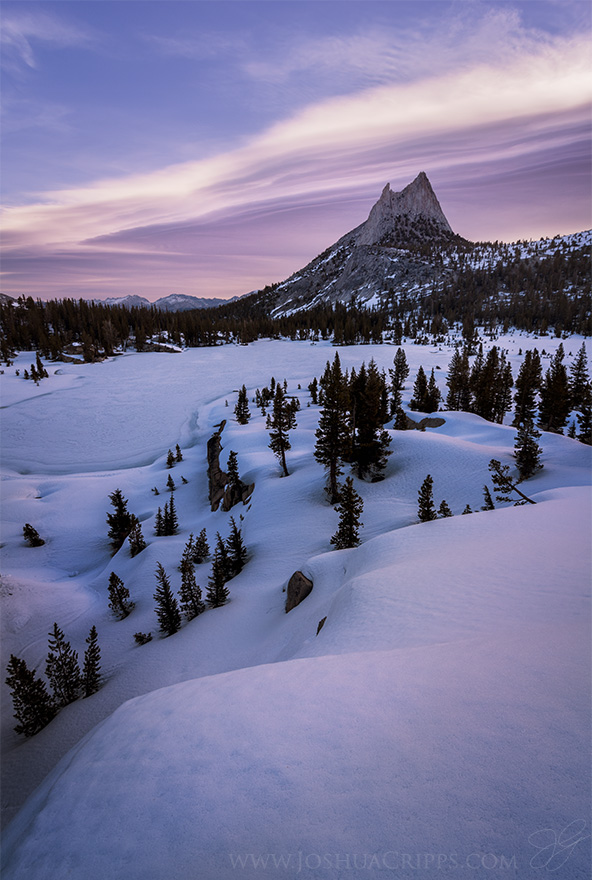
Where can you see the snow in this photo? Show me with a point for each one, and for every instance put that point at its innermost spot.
(438, 722)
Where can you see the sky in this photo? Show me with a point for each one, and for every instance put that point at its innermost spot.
(211, 148)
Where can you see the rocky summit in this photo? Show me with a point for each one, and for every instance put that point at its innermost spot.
(394, 247)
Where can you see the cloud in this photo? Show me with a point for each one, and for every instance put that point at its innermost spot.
(21, 30)
(475, 121)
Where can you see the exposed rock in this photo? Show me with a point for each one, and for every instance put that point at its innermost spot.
(235, 494)
(427, 422)
(299, 586)
(217, 478)
(321, 624)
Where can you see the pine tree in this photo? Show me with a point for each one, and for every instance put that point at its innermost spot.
(170, 522)
(119, 597)
(398, 376)
(136, 538)
(221, 551)
(62, 668)
(120, 521)
(188, 551)
(579, 380)
(234, 480)
(91, 677)
(33, 706)
(190, 594)
(368, 402)
(217, 593)
(433, 396)
(170, 483)
(400, 420)
(202, 549)
(313, 388)
(487, 499)
(170, 461)
(179, 454)
(467, 510)
(349, 509)
(426, 510)
(241, 410)
(279, 423)
(333, 437)
(159, 523)
(528, 383)
(554, 406)
(32, 536)
(420, 392)
(459, 382)
(527, 452)
(237, 552)
(585, 419)
(444, 510)
(167, 609)
(504, 484)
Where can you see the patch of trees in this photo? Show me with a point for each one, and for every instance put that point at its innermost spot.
(34, 705)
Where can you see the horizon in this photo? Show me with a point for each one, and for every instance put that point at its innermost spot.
(210, 149)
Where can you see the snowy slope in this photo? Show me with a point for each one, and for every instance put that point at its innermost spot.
(441, 711)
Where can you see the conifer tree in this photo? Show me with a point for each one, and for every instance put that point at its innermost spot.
(234, 480)
(31, 536)
(487, 499)
(368, 401)
(554, 405)
(398, 376)
(444, 510)
(313, 388)
(217, 592)
(61, 668)
(349, 509)
(159, 523)
(584, 418)
(527, 452)
(135, 537)
(119, 597)
(579, 380)
(33, 706)
(170, 483)
(190, 594)
(221, 551)
(170, 522)
(202, 549)
(504, 484)
(528, 382)
(333, 437)
(420, 392)
(400, 420)
(120, 521)
(241, 410)
(179, 454)
(91, 669)
(433, 396)
(188, 551)
(237, 552)
(467, 510)
(170, 461)
(426, 510)
(459, 382)
(167, 609)
(281, 420)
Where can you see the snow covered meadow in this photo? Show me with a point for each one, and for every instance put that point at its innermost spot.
(437, 724)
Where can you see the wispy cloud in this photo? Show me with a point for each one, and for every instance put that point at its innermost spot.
(21, 30)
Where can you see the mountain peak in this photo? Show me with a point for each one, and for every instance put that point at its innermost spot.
(407, 216)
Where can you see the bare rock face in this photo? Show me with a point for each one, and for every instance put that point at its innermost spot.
(427, 422)
(235, 494)
(217, 478)
(299, 586)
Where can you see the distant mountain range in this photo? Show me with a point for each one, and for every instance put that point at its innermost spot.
(175, 302)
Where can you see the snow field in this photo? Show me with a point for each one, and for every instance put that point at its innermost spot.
(479, 623)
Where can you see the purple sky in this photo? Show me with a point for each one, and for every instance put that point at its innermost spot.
(210, 148)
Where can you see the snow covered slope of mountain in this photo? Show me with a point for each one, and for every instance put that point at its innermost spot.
(438, 722)
(175, 302)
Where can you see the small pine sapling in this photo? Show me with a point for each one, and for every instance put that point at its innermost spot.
(178, 453)
(170, 483)
(191, 603)
(487, 499)
(136, 538)
(426, 511)
(61, 668)
(91, 669)
(159, 523)
(467, 510)
(349, 509)
(237, 552)
(170, 460)
(202, 549)
(167, 609)
(142, 638)
(527, 452)
(444, 510)
(31, 536)
(119, 597)
(217, 592)
(33, 706)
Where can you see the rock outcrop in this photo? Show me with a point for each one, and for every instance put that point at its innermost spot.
(427, 422)
(217, 478)
(218, 488)
(299, 587)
